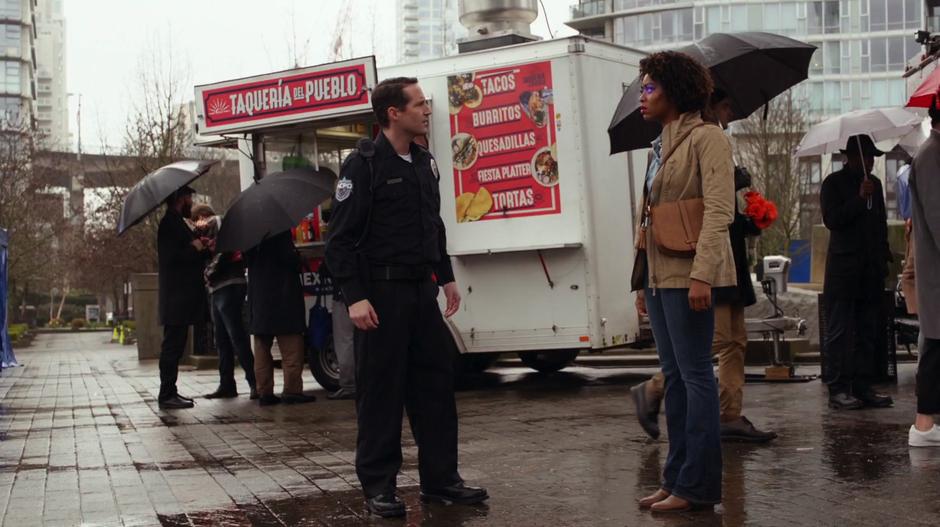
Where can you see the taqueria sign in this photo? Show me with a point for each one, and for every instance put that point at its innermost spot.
(331, 90)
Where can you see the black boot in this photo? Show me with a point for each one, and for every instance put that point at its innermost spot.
(175, 403)
(223, 393)
(844, 401)
(386, 506)
(647, 412)
(460, 494)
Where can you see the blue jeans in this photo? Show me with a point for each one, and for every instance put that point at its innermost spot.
(684, 342)
(230, 335)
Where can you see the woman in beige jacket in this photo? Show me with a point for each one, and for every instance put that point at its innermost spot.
(691, 159)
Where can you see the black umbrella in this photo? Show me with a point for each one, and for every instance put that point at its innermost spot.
(752, 68)
(151, 191)
(275, 204)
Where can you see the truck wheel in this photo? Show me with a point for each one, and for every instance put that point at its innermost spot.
(548, 361)
(324, 366)
(476, 362)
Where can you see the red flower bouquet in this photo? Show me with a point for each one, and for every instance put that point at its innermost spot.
(762, 211)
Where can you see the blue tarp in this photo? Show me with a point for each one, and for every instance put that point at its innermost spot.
(6, 347)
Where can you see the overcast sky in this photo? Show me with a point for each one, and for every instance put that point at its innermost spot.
(108, 41)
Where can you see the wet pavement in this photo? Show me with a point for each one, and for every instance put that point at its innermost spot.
(83, 442)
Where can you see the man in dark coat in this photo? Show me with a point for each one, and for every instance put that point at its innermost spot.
(276, 310)
(181, 258)
(853, 210)
(387, 242)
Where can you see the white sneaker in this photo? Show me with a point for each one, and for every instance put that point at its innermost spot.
(929, 438)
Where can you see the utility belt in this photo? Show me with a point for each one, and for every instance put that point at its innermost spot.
(409, 273)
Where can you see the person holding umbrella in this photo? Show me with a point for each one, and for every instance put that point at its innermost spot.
(182, 294)
(853, 209)
(693, 162)
(258, 223)
(276, 311)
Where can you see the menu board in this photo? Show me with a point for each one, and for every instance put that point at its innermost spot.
(505, 157)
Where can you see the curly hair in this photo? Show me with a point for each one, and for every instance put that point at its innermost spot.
(687, 83)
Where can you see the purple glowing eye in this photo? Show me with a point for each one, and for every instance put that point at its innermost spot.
(648, 89)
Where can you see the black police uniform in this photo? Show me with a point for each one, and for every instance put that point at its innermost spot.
(386, 241)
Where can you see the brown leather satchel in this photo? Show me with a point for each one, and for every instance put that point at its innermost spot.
(677, 224)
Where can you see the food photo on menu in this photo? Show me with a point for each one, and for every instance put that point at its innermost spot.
(503, 143)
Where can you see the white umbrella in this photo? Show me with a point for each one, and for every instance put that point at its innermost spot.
(912, 141)
(882, 124)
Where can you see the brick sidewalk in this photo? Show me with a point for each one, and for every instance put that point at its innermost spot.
(84, 442)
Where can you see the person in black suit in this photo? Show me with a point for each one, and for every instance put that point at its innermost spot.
(183, 303)
(853, 209)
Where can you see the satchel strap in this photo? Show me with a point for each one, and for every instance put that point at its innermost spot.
(662, 164)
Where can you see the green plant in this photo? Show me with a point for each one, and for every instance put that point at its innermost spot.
(77, 324)
(17, 331)
(56, 323)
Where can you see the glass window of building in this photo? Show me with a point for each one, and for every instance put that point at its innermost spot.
(831, 16)
(713, 20)
(10, 77)
(832, 60)
(833, 97)
(814, 18)
(879, 92)
(895, 14)
(787, 21)
(11, 36)
(815, 96)
(11, 9)
(816, 63)
(685, 21)
(849, 49)
(699, 22)
(897, 92)
(863, 16)
(879, 55)
(912, 49)
(645, 29)
(771, 17)
(896, 59)
(877, 15)
(845, 15)
(865, 56)
(913, 11)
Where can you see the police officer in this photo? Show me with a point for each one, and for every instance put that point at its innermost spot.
(386, 247)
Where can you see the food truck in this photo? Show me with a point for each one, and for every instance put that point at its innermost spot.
(538, 215)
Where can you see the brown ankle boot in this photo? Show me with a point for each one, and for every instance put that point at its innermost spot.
(653, 498)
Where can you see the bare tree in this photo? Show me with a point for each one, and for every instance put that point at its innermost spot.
(765, 145)
(33, 210)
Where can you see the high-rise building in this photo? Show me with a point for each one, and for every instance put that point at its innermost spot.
(864, 45)
(52, 111)
(17, 62)
(427, 29)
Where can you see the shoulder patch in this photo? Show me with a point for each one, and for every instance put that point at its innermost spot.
(437, 175)
(344, 189)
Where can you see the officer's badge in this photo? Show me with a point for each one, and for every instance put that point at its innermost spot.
(437, 175)
(344, 189)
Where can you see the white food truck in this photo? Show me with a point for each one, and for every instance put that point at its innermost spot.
(539, 216)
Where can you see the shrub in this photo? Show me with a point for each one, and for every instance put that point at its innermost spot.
(77, 324)
(56, 323)
(17, 331)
